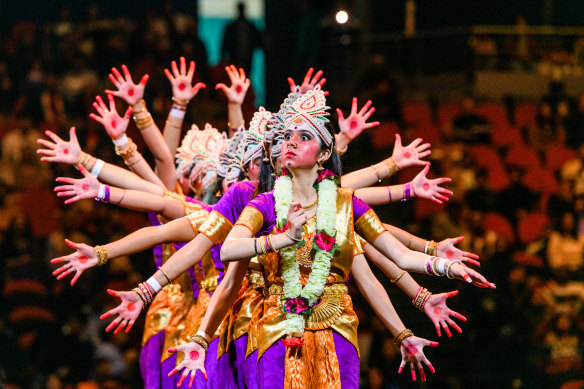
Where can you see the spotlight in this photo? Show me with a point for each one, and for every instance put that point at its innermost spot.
(342, 17)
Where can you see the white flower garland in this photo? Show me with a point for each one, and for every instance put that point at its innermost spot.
(325, 222)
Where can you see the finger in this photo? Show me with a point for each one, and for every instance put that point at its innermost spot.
(205, 374)
(65, 274)
(451, 294)
(61, 269)
(470, 255)
(191, 71)
(144, 79)
(413, 370)
(173, 371)
(437, 326)
(422, 373)
(423, 147)
(198, 87)
(66, 194)
(114, 293)
(101, 103)
(128, 112)
(229, 73)
(109, 313)
(60, 259)
(292, 84)
(307, 76)
(73, 136)
(121, 326)
(98, 119)
(118, 75)
(441, 180)
(444, 191)
(46, 143)
(316, 77)
(113, 324)
(75, 277)
(431, 344)
(242, 73)
(98, 108)
(183, 65)
(113, 92)
(50, 153)
(340, 114)
(423, 155)
(66, 180)
(127, 74)
(321, 83)
(441, 197)
(446, 329)
(453, 324)
(191, 380)
(112, 103)
(246, 84)
(457, 240)
(401, 367)
(182, 378)
(130, 324)
(397, 141)
(457, 315)
(53, 136)
(114, 81)
(365, 108)
(234, 72)
(223, 87)
(354, 106)
(368, 114)
(72, 200)
(471, 261)
(415, 143)
(72, 244)
(372, 124)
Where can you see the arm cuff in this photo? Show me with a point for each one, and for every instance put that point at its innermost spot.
(369, 226)
(215, 227)
(252, 219)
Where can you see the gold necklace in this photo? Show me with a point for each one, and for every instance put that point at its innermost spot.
(309, 207)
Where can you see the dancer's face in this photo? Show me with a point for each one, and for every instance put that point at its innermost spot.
(253, 169)
(301, 149)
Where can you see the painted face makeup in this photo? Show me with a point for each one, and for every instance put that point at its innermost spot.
(300, 148)
(253, 169)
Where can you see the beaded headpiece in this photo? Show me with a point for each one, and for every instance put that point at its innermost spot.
(198, 153)
(254, 136)
(275, 132)
(311, 108)
(227, 155)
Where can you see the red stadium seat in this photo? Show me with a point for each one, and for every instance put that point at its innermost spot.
(416, 112)
(541, 180)
(525, 114)
(428, 132)
(533, 227)
(556, 156)
(493, 112)
(506, 136)
(484, 155)
(447, 112)
(499, 224)
(383, 136)
(524, 157)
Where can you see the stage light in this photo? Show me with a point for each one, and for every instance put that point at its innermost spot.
(342, 17)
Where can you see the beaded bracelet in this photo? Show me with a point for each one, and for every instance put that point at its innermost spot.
(201, 341)
(392, 165)
(376, 173)
(401, 336)
(101, 255)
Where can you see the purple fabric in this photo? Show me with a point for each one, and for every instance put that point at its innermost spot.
(157, 250)
(210, 367)
(225, 371)
(239, 347)
(167, 366)
(271, 366)
(189, 199)
(216, 255)
(150, 367)
(359, 208)
(250, 371)
(235, 199)
(349, 364)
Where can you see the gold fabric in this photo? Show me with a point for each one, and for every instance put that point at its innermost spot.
(359, 244)
(197, 219)
(173, 195)
(216, 227)
(191, 208)
(313, 365)
(336, 309)
(251, 218)
(157, 316)
(193, 320)
(210, 273)
(369, 226)
(179, 307)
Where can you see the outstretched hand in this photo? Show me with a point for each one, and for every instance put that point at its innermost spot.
(114, 124)
(471, 276)
(194, 359)
(412, 350)
(60, 151)
(127, 90)
(431, 189)
(411, 154)
(446, 249)
(239, 85)
(308, 83)
(84, 258)
(83, 188)
(437, 310)
(181, 81)
(128, 311)
(356, 122)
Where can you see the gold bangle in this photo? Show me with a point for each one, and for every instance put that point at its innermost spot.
(201, 341)
(170, 124)
(141, 295)
(101, 255)
(270, 243)
(376, 173)
(424, 300)
(396, 279)
(392, 166)
(165, 275)
(127, 153)
(289, 235)
(143, 123)
(130, 164)
(83, 159)
(141, 109)
(401, 336)
(181, 103)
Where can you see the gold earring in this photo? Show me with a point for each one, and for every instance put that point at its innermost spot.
(320, 166)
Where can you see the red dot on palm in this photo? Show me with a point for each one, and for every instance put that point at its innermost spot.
(114, 124)
(194, 355)
(407, 154)
(181, 86)
(426, 186)
(130, 92)
(412, 350)
(131, 307)
(449, 254)
(66, 151)
(437, 310)
(85, 187)
(83, 259)
(353, 124)
(238, 88)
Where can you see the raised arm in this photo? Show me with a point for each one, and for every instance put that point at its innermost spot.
(353, 125)
(116, 127)
(412, 347)
(401, 158)
(420, 186)
(235, 95)
(182, 92)
(132, 94)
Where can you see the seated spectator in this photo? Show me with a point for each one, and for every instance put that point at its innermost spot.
(573, 170)
(469, 126)
(566, 247)
(481, 198)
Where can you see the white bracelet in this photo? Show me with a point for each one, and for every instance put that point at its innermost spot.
(440, 266)
(97, 168)
(154, 284)
(122, 140)
(426, 247)
(101, 192)
(177, 113)
(204, 335)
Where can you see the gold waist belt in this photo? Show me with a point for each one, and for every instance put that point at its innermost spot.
(326, 312)
(255, 279)
(172, 289)
(210, 284)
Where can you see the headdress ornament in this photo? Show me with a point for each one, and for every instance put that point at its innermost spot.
(311, 108)
(254, 136)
